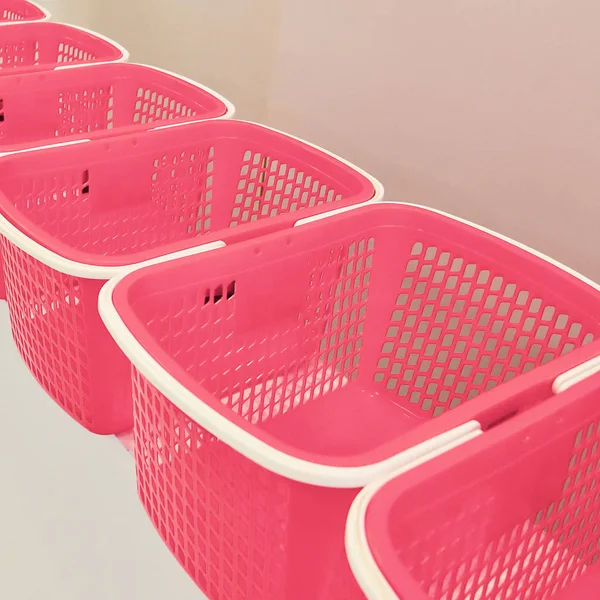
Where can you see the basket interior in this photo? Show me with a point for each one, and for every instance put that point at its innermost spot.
(506, 517)
(19, 10)
(354, 330)
(43, 106)
(114, 202)
(35, 45)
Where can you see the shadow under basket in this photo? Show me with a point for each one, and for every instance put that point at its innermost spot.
(510, 515)
(76, 215)
(274, 378)
(42, 46)
(14, 11)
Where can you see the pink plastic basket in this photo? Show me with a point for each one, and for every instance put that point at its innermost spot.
(511, 515)
(45, 46)
(274, 378)
(43, 108)
(79, 214)
(98, 101)
(21, 10)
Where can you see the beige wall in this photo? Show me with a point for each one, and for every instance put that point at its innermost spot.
(229, 46)
(486, 108)
(78, 12)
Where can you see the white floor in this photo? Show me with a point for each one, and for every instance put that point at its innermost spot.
(71, 527)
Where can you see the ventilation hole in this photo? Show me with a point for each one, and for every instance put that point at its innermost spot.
(85, 186)
(218, 293)
(230, 290)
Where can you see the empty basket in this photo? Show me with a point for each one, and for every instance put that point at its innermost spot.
(99, 100)
(45, 46)
(510, 515)
(21, 10)
(274, 378)
(43, 108)
(79, 214)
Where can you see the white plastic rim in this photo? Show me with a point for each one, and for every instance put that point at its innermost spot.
(495, 234)
(241, 440)
(44, 10)
(121, 49)
(35, 148)
(362, 562)
(576, 375)
(86, 271)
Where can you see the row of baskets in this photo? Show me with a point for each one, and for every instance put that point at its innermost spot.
(331, 397)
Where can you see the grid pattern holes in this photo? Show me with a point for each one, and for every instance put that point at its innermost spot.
(265, 371)
(269, 187)
(153, 106)
(12, 15)
(48, 324)
(458, 329)
(85, 110)
(534, 559)
(182, 186)
(221, 515)
(69, 53)
(19, 54)
(65, 205)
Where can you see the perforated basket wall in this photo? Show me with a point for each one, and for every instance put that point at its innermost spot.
(132, 198)
(44, 45)
(510, 516)
(43, 108)
(425, 311)
(327, 343)
(58, 332)
(117, 201)
(239, 530)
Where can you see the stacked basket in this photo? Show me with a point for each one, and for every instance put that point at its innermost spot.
(289, 353)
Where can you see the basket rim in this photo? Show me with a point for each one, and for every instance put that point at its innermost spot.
(46, 23)
(125, 64)
(229, 108)
(361, 559)
(65, 265)
(246, 442)
(367, 565)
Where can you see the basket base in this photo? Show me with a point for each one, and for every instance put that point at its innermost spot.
(342, 424)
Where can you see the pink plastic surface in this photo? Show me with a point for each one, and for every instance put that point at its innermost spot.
(510, 515)
(336, 343)
(19, 10)
(49, 107)
(239, 530)
(44, 45)
(125, 199)
(57, 329)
